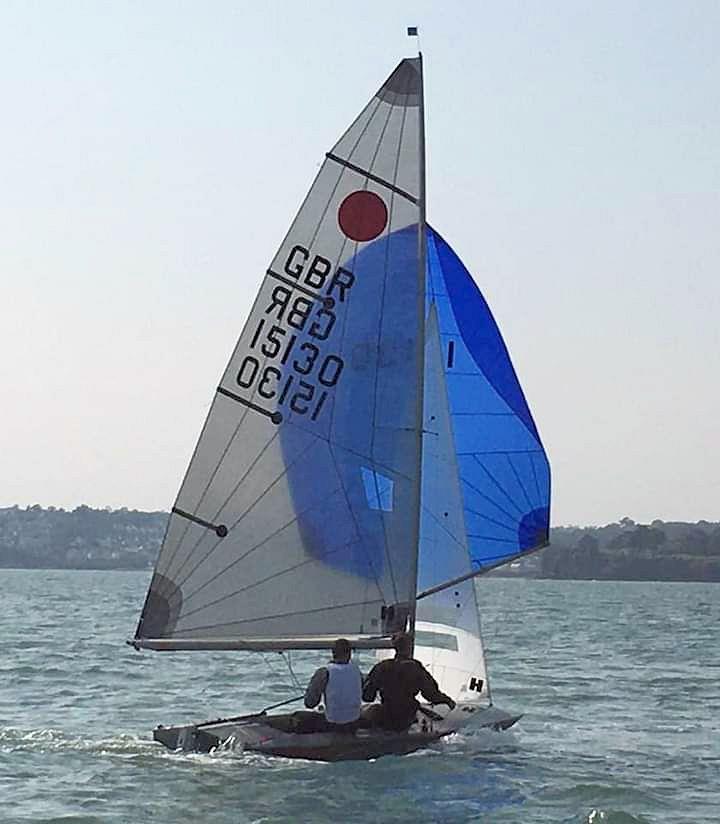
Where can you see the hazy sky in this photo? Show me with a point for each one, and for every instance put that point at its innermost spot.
(152, 155)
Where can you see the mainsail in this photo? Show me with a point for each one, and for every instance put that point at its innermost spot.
(297, 520)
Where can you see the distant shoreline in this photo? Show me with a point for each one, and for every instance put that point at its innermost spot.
(125, 540)
(494, 574)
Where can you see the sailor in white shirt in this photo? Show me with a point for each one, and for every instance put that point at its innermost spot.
(340, 684)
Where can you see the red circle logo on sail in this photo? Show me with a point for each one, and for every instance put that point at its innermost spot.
(362, 216)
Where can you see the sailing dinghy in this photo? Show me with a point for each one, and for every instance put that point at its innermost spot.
(368, 452)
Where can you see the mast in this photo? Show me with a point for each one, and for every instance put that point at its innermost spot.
(422, 247)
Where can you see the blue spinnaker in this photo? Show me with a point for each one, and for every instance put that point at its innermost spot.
(355, 490)
(503, 468)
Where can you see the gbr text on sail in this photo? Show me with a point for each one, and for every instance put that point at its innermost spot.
(289, 364)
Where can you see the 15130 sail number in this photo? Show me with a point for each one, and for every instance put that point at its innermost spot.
(294, 389)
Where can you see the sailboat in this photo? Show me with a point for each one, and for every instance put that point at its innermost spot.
(368, 453)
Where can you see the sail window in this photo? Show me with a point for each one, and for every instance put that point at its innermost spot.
(378, 489)
(438, 640)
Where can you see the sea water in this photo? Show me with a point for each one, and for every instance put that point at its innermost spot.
(619, 684)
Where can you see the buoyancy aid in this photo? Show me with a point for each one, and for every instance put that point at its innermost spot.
(343, 693)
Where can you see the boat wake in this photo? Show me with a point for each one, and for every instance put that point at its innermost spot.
(49, 740)
(15, 740)
(470, 743)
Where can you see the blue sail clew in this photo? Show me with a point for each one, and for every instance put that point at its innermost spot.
(503, 468)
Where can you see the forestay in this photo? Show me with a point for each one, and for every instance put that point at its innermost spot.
(297, 518)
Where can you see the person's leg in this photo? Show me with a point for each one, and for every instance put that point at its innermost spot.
(371, 716)
(306, 721)
(345, 729)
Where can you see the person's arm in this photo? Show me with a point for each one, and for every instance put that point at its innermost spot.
(316, 688)
(429, 689)
(370, 685)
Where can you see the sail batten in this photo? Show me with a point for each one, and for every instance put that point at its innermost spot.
(370, 176)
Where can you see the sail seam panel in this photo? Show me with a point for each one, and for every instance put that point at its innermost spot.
(181, 538)
(245, 513)
(260, 582)
(532, 466)
(519, 481)
(271, 617)
(498, 485)
(257, 546)
(491, 538)
(512, 529)
(374, 99)
(488, 499)
(227, 500)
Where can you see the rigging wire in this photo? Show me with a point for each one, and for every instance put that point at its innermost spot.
(288, 660)
(294, 680)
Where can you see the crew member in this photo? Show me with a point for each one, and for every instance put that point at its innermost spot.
(399, 680)
(340, 684)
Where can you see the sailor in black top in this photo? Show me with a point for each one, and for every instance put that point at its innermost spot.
(399, 680)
